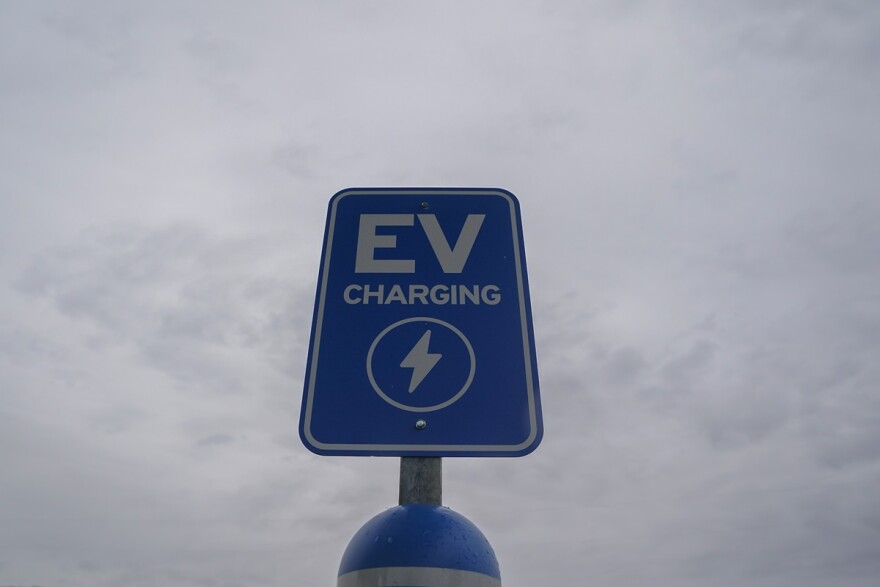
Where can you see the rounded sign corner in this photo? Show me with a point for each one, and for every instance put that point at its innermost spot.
(533, 442)
(509, 195)
(303, 437)
(334, 199)
(310, 442)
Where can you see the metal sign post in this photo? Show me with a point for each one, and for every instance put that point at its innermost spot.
(421, 480)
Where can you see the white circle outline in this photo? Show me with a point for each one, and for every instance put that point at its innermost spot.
(435, 407)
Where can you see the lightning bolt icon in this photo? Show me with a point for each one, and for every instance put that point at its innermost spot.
(420, 361)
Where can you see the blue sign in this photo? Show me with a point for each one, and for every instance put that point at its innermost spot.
(422, 340)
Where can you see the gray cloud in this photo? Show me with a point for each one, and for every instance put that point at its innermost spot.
(697, 184)
(180, 296)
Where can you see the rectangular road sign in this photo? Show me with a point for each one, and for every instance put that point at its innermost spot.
(422, 341)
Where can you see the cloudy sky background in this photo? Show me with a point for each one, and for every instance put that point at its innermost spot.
(699, 190)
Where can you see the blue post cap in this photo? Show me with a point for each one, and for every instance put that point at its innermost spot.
(419, 546)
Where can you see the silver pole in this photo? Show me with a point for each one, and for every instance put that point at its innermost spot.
(421, 480)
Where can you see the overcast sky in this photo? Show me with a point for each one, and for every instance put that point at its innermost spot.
(699, 190)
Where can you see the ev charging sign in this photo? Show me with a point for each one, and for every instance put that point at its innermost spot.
(422, 341)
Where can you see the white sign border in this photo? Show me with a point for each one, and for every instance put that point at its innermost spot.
(523, 316)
